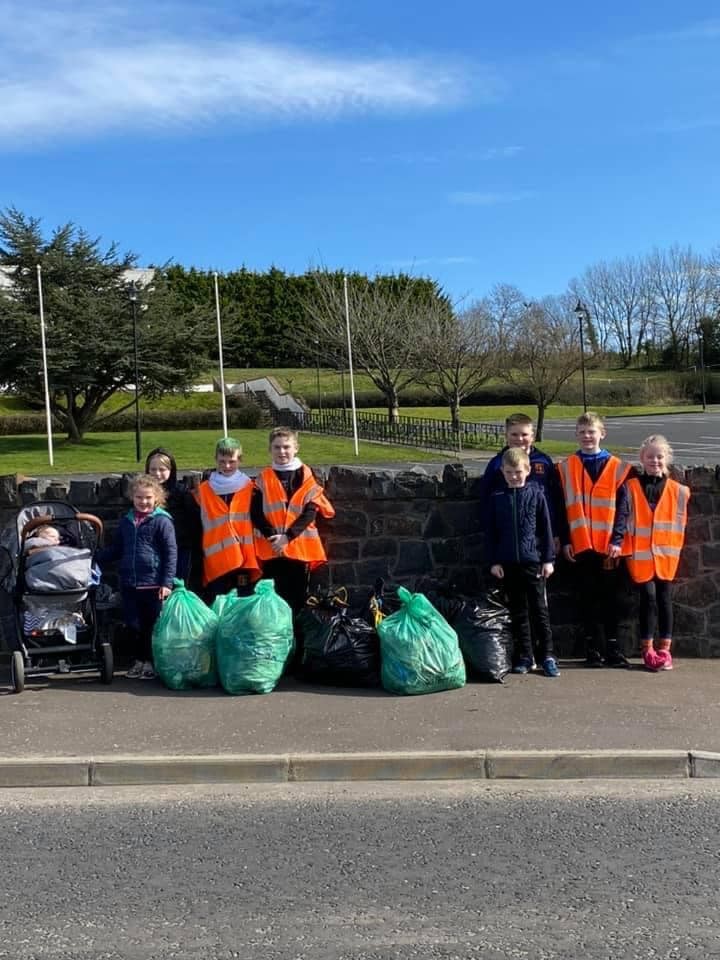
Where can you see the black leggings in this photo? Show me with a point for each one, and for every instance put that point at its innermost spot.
(141, 608)
(655, 609)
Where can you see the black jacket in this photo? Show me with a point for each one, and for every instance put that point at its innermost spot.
(180, 504)
(519, 529)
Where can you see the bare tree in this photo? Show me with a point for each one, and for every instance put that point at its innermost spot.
(385, 315)
(456, 354)
(619, 296)
(542, 352)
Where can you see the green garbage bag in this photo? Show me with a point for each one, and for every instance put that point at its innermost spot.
(183, 641)
(221, 601)
(419, 649)
(254, 641)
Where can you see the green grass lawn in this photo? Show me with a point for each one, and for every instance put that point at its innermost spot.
(556, 411)
(193, 449)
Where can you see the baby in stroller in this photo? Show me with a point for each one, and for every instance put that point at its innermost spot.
(41, 538)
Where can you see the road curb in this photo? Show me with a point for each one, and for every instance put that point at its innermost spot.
(492, 765)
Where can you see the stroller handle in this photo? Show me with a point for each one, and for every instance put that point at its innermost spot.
(48, 518)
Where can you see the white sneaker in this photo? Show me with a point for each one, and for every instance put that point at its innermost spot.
(148, 671)
(135, 671)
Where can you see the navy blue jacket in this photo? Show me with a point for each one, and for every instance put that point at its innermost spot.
(542, 473)
(147, 553)
(519, 529)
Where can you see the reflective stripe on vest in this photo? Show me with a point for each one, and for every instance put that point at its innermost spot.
(656, 536)
(227, 539)
(591, 506)
(281, 515)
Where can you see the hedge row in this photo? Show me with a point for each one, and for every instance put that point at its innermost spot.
(632, 391)
(247, 417)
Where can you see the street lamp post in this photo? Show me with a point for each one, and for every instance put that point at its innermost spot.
(138, 438)
(317, 368)
(701, 358)
(581, 312)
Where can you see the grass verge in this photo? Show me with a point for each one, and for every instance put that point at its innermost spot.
(193, 449)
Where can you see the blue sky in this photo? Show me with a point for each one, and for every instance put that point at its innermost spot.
(470, 141)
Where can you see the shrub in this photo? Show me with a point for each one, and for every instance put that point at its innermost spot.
(245, 417)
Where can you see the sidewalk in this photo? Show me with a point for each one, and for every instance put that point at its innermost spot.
(632, 722)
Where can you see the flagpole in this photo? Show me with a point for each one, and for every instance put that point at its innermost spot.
(48, 414)
(220, 356)
(350, 365)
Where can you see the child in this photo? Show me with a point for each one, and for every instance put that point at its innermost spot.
(521, 550)
(285, 504)
(181, 506)
(145, 547)
(658, 517)
(229, 561)
(41, 538)
(520, 433)
(596, 503)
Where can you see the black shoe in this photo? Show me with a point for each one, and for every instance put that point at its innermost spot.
(593, 659)
(616, 658)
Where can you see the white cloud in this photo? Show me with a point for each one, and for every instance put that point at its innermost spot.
(479, 198)
(69, 74)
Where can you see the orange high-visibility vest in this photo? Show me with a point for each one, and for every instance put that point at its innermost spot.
(281, 514)
(656, 536)
(591, 506)
(227, 538)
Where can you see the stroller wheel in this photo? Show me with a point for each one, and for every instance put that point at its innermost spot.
(108, 664)
(17, 671)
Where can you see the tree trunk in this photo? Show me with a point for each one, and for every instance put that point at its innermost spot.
(74, 433)
(393, 405)
(455, 414)
(540, 421)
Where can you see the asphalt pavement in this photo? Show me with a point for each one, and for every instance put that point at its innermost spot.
(641, 723)
(695, 437)
(362, 872)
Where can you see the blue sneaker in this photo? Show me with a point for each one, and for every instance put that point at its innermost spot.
(550, 667)
(524, 665)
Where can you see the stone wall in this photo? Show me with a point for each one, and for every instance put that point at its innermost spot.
(414, 524)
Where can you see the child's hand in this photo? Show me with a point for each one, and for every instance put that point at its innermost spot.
(278, 542)
(569, 553)
(547, 570)
(497, 571)
(164, 592)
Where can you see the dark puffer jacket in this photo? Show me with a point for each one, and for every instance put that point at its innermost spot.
(180, 504)
(519, 529)
(146, 552)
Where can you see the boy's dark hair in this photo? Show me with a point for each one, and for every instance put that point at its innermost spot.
(283, 432)
(519, 419)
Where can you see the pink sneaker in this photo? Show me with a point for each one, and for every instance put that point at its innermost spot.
(652, 660)
(665, 658)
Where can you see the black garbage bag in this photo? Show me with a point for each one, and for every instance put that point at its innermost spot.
(383, 602)
(484, 631)
(338, 649)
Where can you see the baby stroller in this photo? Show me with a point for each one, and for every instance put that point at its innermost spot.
(53, 593)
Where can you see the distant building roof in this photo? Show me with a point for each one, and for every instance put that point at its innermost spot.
(140, 275)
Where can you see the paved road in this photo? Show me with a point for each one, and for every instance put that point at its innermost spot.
(394, 871)
(695, 437)
(584, 709)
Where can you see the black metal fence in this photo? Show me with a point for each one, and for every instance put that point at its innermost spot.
(406, 431)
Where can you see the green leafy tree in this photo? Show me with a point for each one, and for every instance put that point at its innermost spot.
(89, 324)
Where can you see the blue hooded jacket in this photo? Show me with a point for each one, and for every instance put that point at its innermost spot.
(519, 529)
(146, 552)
